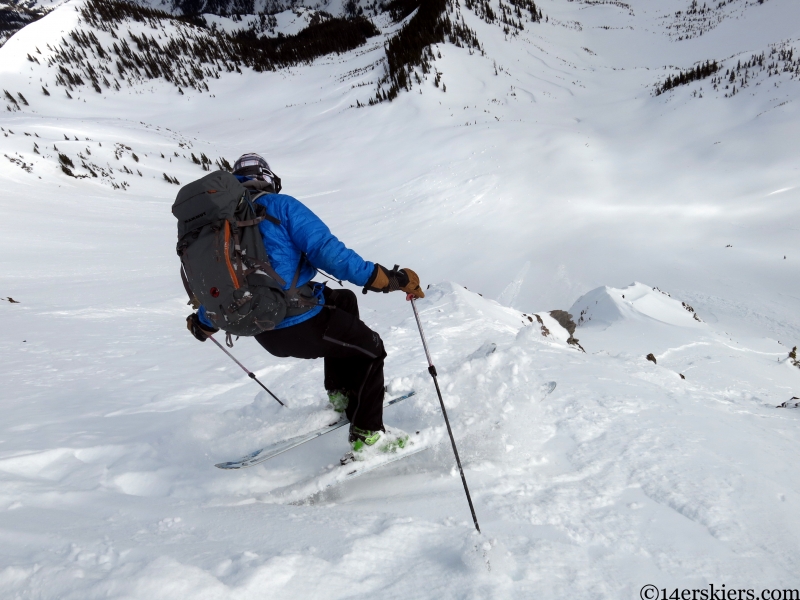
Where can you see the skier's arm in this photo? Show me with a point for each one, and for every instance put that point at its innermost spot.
(323, 249)
(326, 252)
(203, 318)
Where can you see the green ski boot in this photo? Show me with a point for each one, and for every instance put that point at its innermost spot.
(366, 443)
(338, 400)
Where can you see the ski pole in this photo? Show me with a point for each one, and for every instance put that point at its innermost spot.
(250, 373)
(432, 371)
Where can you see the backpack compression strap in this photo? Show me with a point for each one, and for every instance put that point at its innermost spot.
(242, 259)
(192, 298)
(292, 293)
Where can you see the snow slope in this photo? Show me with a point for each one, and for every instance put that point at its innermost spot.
(549, 150)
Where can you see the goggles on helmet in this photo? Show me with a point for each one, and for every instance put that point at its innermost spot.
(253, 165)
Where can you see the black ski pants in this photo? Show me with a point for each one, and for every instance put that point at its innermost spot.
(353, 354)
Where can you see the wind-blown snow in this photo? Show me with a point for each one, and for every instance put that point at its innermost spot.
(626, 474)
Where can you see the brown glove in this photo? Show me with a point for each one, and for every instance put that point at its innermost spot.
(397, 279)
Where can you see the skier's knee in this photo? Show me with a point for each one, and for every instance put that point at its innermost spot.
(381, 351)
(345, 300)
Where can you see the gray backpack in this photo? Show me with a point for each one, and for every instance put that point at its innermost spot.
(224, 265)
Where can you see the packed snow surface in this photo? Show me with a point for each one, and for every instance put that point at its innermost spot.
(547, 176)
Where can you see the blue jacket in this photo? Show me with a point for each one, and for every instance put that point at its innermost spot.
(301, 231)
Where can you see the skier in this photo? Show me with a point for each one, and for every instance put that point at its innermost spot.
(328, 324)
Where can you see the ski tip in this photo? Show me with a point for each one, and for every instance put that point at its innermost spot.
(243, 462)
(402, 396)
(547, 388)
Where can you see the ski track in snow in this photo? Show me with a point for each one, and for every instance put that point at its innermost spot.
(625, 475)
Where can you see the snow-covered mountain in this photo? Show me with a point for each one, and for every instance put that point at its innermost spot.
(259, 17)
(530, 165)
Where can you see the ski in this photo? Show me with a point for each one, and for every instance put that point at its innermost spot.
(352, 469)
(277, 448)
(342, 473)
(355, 469)
(301, 493)
(547, 388)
